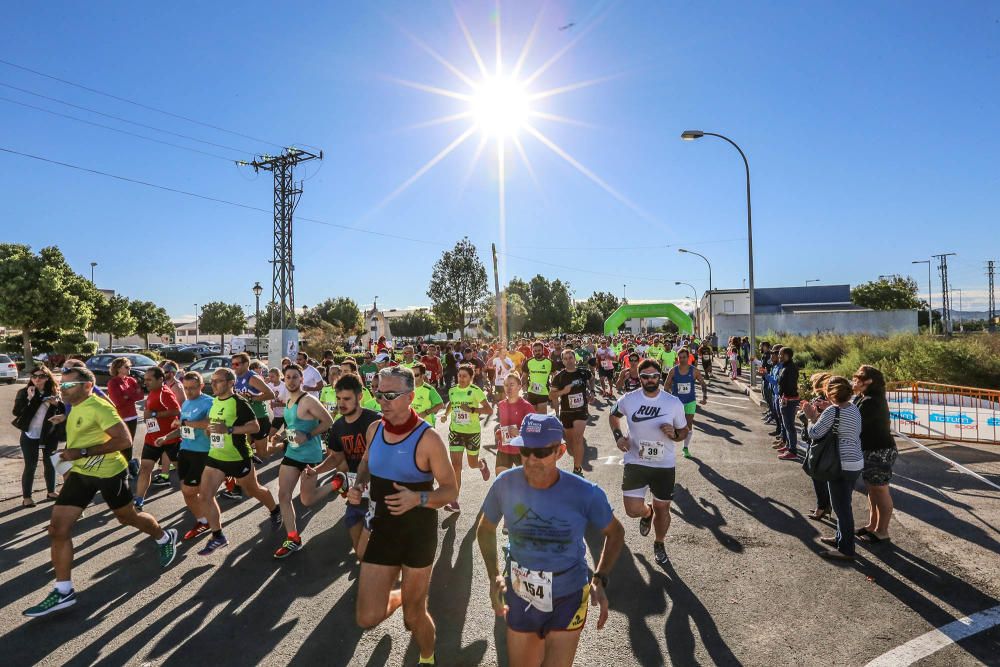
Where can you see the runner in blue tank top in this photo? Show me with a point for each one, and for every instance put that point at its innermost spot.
(403, 460)
(680, 382)
(252, 387)
(305, 420)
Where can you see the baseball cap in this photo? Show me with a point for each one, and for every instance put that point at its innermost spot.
(539, 431)
(381, 358)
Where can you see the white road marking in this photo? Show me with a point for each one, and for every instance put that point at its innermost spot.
(937, 639)
(959, 466)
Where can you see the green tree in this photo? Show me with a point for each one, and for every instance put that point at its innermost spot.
(341, 312)
(317, 339)
(74, 342)
(223, 318)
(42, 292)
(458, 286)
(114, 318)
(262, 327)
(889, 293)
(417, 324)
(604, 304)
(517, 313)
(587, 319)
(150, 319)
(539, 302)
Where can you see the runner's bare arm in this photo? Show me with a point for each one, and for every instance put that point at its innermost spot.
(316, 410)
(486, 536)
(614, 540)
(266, 393)
(668, 382)
(432, 454)
(620, 383)
(704, 386)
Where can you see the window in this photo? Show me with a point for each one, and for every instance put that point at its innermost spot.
(729, 306)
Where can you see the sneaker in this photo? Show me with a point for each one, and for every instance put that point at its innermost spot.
(257, 460)
(782, 450)
(453, 506)
(230, 484)
(578, 472)
(778, 445)
(213, 544)
(789, 456)
(231, 495)
(276, 519)
(168, 550)
(659, 553)
(484, 468)
(646, 523)
(161, 480)
(686, 453)
(54, 601)
(287, 548)
(776, 431)
(198, 529)
(138, 502)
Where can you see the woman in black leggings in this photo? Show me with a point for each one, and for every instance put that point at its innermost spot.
(34, 405)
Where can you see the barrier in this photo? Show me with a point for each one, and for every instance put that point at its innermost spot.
(945, 412)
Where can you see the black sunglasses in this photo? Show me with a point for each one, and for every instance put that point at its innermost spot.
(538, 452)
(388, 395)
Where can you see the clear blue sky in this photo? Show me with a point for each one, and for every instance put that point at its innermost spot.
(873, 131)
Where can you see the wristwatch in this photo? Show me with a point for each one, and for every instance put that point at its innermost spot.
(152, 414)
(602, 579)
(184, 422)
(83, 453)
(423, 499)
(229, 430)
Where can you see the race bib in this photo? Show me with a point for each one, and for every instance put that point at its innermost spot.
(352, 478)
(152, 426)
(536, 388)
(607, 364)
(575, 401)
(652, 451)
(187, 432)
(506, 433)
(532, 586)
(462, 418)
(368, 377)
(217, 440)
(330, 407)
(683, 387)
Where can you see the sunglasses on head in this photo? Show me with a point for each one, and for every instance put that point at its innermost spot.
(538, 452)
(388, 395)
(649, 376)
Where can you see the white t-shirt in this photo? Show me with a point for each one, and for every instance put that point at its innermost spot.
(280, 394)
(648, 445)
(502, 368)
(311, 378)
(641, 349)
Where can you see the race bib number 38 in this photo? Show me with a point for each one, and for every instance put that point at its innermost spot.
(532, 586)
(652, 451)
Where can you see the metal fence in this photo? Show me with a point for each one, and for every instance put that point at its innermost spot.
(945, 412)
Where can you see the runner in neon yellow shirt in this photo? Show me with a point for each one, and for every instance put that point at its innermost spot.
(426, 400)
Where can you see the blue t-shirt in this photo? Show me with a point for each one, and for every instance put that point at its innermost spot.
(196, 410)
(546, 526)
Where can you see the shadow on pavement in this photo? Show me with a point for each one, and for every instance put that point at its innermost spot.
(703, 514)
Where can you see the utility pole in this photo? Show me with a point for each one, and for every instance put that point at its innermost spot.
(501, 309)
(945, 292)
(286, 196)
(992, 314)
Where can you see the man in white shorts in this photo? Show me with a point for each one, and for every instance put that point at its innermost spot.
(655, 421)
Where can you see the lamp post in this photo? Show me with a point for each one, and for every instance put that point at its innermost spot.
(930, 298)
(624, 300)
(693, 289)
(711, 311)
(257, 289)
(691, 135)
(92, 265)
(197, 317)
(814, 280)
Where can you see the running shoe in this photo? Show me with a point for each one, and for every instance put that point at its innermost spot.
(213, 544)
(276, 519)
(168, 550)
(452, 506)
(686, 453)
(198, 529)
(776, 431)
(789, 456)
(54, 601)
(287, 548)
(161, 480)
(484, 468)
(659, 553)
(646, 523)
(257, 460)
(230, 484)
(231, 495)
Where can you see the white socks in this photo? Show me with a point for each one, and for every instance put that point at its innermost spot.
(64, 587)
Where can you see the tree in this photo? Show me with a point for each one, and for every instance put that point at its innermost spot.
(517, 313)
(324, 336)
(604, 303)
(73, 342)
(539, 301)
(413, 325)
(889, 293)
(42, 292)
(223, 318)
(341, 312)
(587, 319)
(262, 327)
(114, 318)
(150, 319)
(458, 286)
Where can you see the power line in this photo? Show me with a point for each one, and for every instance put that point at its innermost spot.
(115, 129)
(576, 268)
(125, 120)
(641, 247)
(138, 104)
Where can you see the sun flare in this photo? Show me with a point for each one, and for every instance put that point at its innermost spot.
(500, 106)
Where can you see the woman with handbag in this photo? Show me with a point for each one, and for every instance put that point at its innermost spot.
(34, 405)
(843, 419)
(879, 449)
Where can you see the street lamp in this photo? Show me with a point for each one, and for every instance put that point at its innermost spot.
(814, 280)
(257, 289)
(624, 300)
(197, 317)
(930, 298)
(92, 265)
(711, 311)
(678, 282)
(691, 135)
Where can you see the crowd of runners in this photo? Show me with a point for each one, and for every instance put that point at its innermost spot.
(392, 434)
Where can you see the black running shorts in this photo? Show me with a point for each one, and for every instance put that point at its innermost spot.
(79, 490)
(190, 465)
(410, 539)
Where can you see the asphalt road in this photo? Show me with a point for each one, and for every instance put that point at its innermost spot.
(743, 586)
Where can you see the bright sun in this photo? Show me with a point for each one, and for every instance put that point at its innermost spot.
(500, 106)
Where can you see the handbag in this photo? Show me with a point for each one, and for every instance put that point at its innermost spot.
(822, 459)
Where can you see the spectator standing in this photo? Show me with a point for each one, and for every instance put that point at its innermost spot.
(34, 405)
(879, 450)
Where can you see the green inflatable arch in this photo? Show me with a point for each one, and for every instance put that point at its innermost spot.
(645, 310)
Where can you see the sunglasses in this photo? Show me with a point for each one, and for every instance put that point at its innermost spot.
(538, 452)
(37, 376)
(388, 395)
(649, 376)
(69, 385)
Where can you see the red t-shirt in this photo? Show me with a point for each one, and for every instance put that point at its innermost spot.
(161, 400)
(525, 350)
(124, 392)
(512, 414)
(433, 365)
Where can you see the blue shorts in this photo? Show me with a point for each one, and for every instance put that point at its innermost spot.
(355, 514)
(568, 612)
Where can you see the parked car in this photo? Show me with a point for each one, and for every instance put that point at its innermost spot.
(207, 366)
(184, 354)
(8, 369)
(100, 365)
